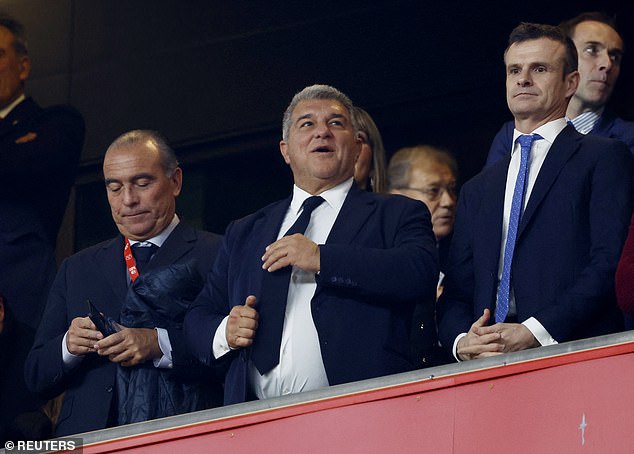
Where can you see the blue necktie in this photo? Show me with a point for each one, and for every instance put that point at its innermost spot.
(265, 352)
(517, 206)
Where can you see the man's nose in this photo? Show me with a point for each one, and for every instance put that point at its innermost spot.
(129, 196)
(448, 198)
(524, 80)
(322, 129)
(605, 62)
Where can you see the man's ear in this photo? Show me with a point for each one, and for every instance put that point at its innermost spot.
(284, 151)
(572, 81)
(177, 179)
(1, 309)
(25, 68)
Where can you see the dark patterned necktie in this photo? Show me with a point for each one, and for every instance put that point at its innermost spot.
(265, 351)
(143, 254)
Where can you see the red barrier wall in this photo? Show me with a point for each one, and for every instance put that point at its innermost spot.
(582, 401)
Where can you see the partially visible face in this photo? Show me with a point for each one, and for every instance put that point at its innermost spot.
(434, 184)
(536, 90)
(13, 69)
(321, 147)
(363, 166)
(142, 197)
(600, 50)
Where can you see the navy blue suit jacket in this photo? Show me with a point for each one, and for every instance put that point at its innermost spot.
(608, 125)
(569, 242)
(379, 259)
(98, 273)
(39, 155)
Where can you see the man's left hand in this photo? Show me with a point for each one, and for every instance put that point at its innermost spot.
(130, 346)
(293, 250)
(514, 336)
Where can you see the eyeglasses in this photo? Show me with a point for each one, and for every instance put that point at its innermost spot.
(434, 193)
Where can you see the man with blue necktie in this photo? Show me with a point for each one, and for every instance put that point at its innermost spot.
(600, 51)
(538, 234)
(318, 289)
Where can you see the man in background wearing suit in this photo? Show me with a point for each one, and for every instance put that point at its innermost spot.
(429, 174)
(355, 272)
(39, 155)
(70, 354)
(538, 235)
(600, 51)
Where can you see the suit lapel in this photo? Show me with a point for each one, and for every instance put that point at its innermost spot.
(178, 244)
(26, 109)
(493, 206)
(355, 211)
(566, 144)
(604, 124)
(111, 262)
(269, 223)
(489, 231)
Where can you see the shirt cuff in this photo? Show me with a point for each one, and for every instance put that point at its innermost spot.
(538, 330)
(165, 361)
(68, 359)
(454, 350)
(220, 345)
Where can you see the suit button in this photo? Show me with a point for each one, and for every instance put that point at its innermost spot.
(333, 280)
(424, 360)
(422, 326)
(109, 389)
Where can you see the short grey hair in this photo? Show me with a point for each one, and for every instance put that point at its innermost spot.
(138, 136)
(317, 91)
(401, 164)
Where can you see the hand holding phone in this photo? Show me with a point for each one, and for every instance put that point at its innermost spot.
(104, 324)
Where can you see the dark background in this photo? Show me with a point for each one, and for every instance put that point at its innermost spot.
(215, 77)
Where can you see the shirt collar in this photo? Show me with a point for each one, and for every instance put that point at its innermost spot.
(333, 196)
(159, 239)
(548, 131)
(4, 112)
(584, 122)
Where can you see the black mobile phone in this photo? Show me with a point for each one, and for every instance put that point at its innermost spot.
(103, 324)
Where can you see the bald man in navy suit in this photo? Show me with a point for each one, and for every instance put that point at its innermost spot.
(71, 355)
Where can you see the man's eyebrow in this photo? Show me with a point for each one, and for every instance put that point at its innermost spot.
(138, 176)
(303, 117)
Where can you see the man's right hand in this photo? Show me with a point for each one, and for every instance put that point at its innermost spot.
(480, 341)
(242, 324)
(82, 335)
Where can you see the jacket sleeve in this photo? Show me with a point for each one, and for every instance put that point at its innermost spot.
(44, 371)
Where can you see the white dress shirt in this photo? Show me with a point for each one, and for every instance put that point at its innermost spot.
(165, 345)
(539, 151)
(301, 367)
(7, 110)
